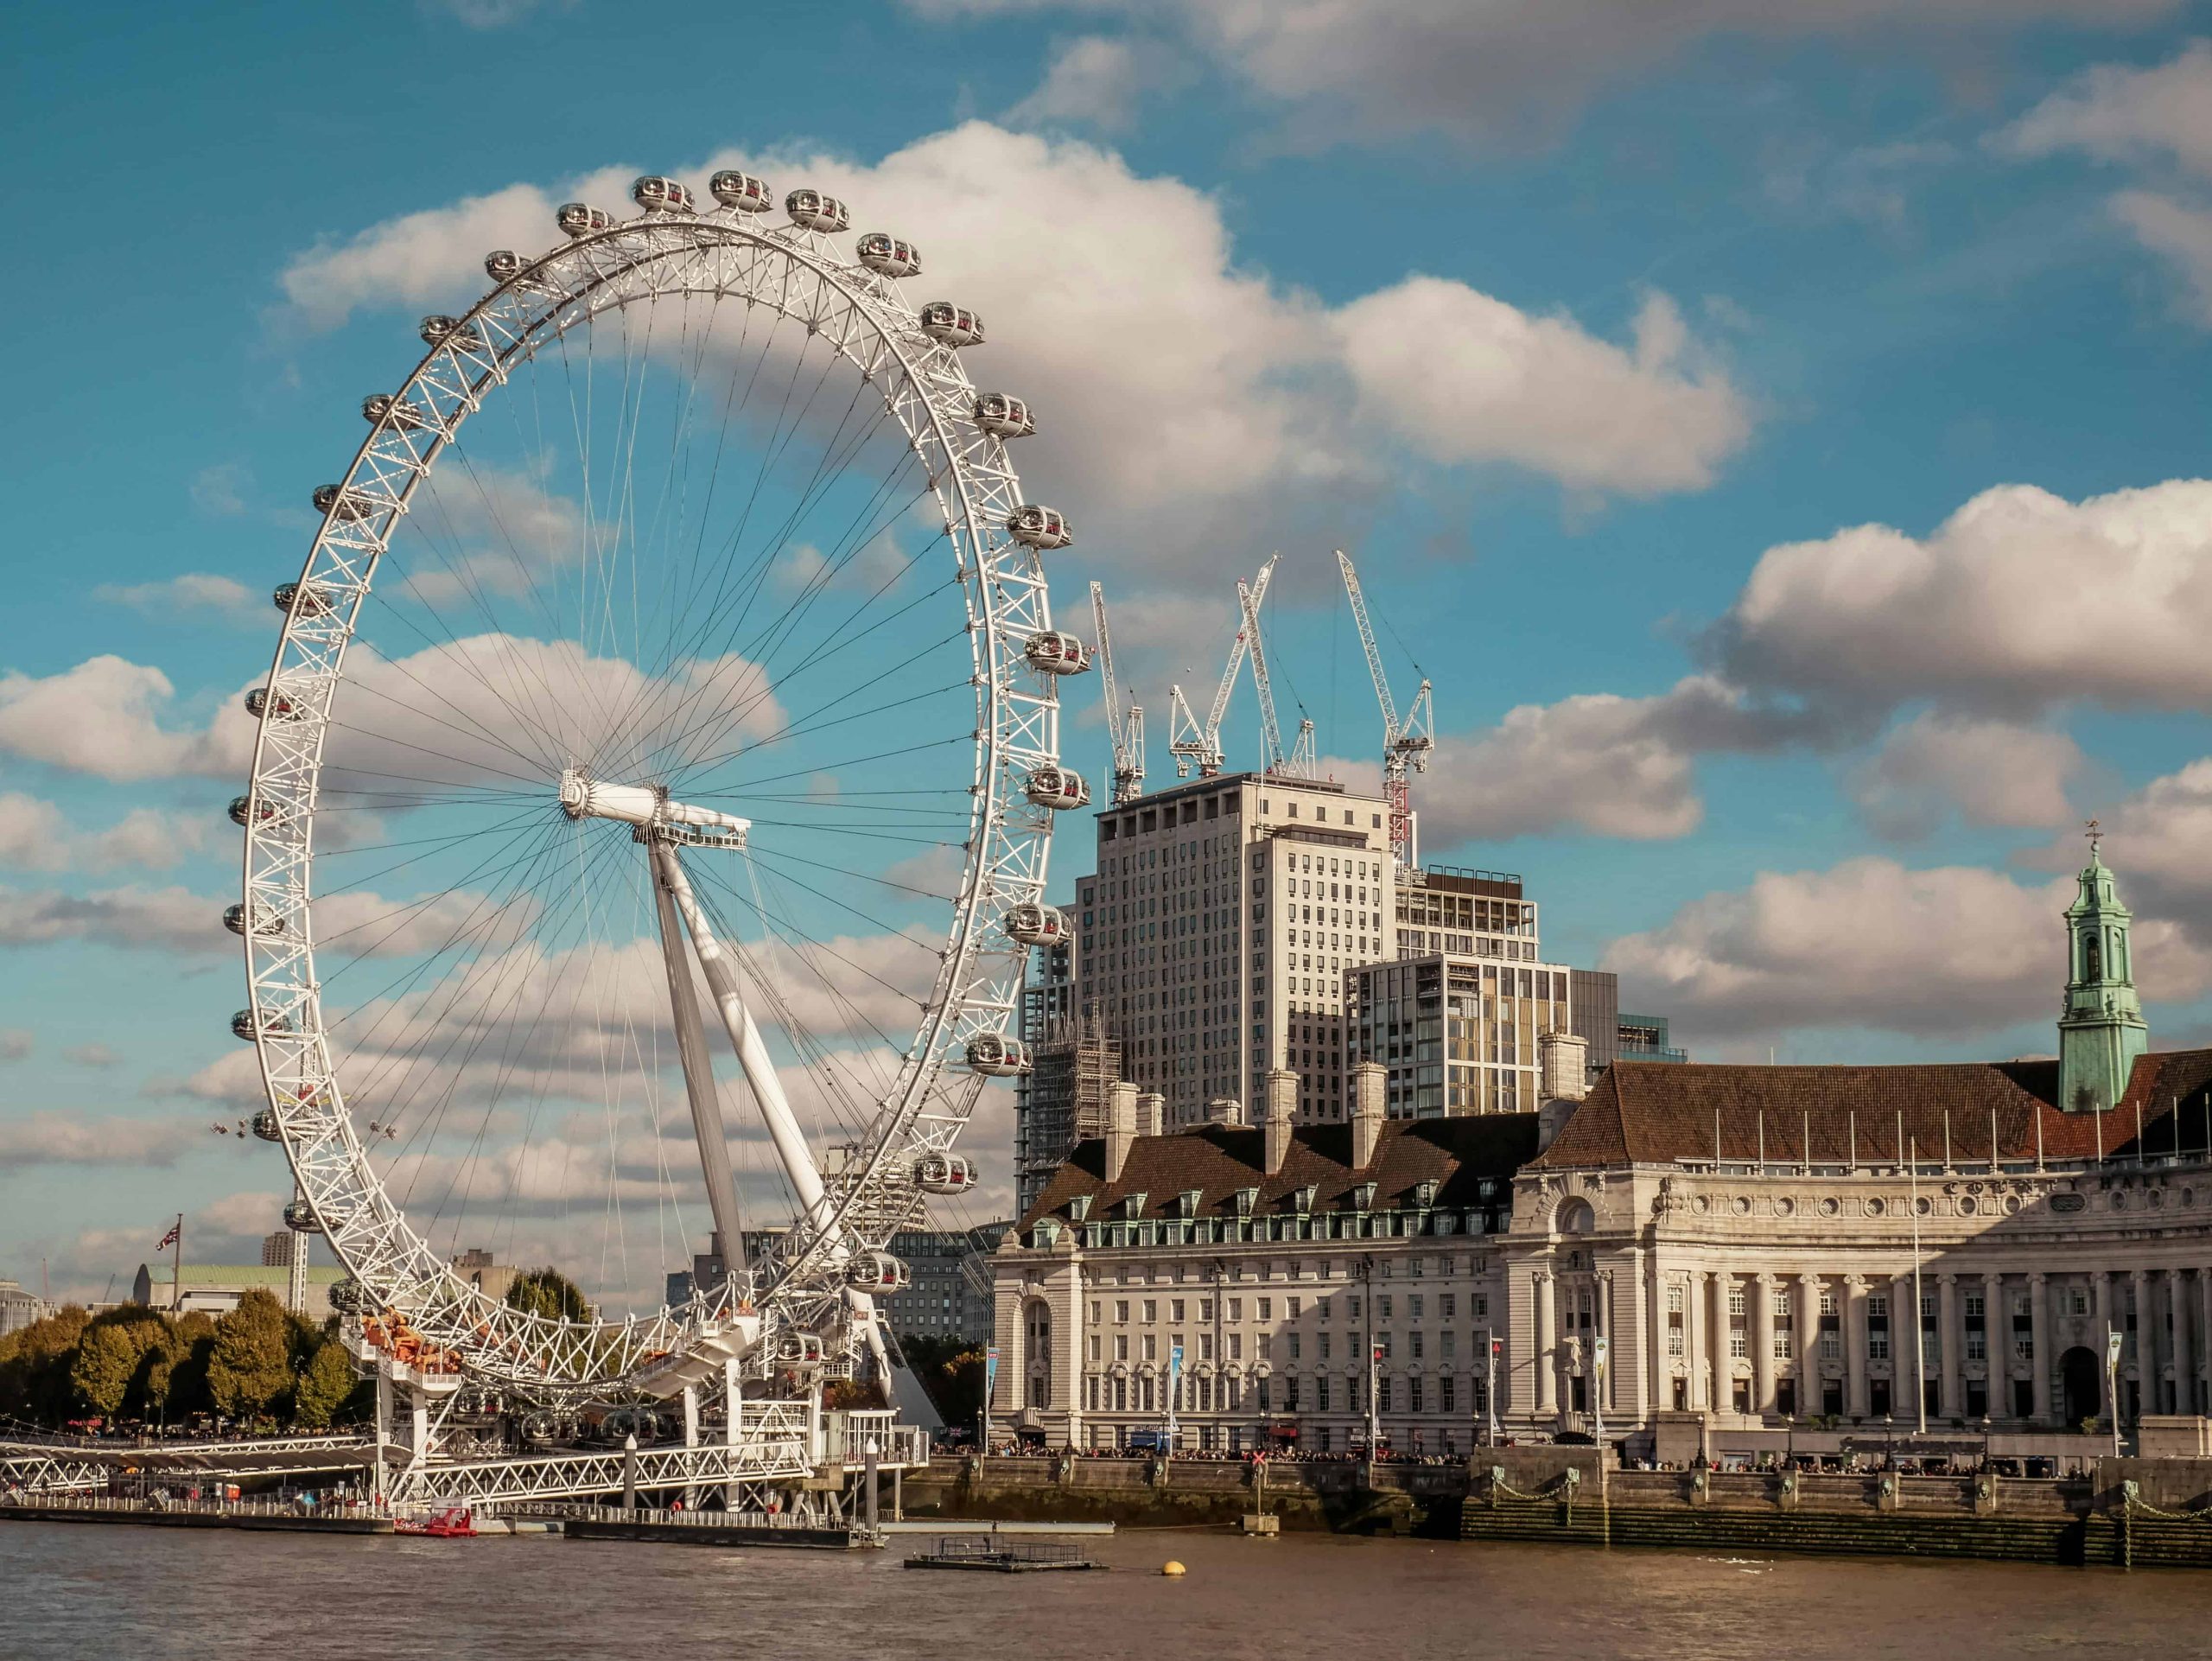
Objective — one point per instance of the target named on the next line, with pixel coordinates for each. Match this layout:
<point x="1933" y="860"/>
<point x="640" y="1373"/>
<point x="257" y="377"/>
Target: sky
<point x="1776" y="433"/>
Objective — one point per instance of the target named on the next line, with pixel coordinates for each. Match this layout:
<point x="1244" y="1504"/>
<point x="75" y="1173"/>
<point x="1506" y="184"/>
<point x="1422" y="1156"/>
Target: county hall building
<point x="1754" y="1243"/>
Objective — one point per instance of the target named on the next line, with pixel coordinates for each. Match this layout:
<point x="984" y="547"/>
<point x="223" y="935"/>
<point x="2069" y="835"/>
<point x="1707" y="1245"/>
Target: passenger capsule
<point x="349" y="1297"/>
<point x="383" y="410"/>
<point x="265" y="1125"/>
<point x="245" y="810"/>
<point x="300" y="1217"/>
<point x="812" y="211"/>
<point x="798" y="1350"/>
<point x="996" y="1056"/>
<point x="1002" y="417"/>
<point x="944" y="1173"/>
<point x="242" y="1026"/>
<point x="1053" y="652"/>
<point x="876" y="1271"/>
<point x="1040" y="527"/>
<point x="1035" y="925"/>
<point x="333" y="502"/>
<point x="263" y="705"/>
<point x="437" y="329"/>
<point x="1058" y="788"/>
<point x="742" y="191"/>
<point x="303" y="600"/>
<point x="234" y="920"/>
<point x="579" y="221"/>
<point x="502" y="264"/>
<point x="951" y="325"/>
<point x="653" y="193"/>
<point x="881" y="252"/>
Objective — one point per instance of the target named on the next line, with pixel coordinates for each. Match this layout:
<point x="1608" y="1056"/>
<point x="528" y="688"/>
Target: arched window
<point x="2093" y="966"/>
<point x="1037" y="1332"/>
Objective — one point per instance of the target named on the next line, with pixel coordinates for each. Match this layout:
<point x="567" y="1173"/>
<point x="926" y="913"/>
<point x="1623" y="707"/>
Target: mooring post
<point x="868" y="1456"/>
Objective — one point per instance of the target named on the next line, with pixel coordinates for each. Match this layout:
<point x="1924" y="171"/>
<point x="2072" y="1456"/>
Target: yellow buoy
<point x="1170" y="1567"/>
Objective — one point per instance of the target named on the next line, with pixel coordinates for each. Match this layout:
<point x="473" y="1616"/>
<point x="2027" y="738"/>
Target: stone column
<point x="1908" y="1368"/>
<point x="2040" y="1343"/>
<point x="1723" y="1371"/>
<point x="1997" y="1345"/>
<point x="2177" y="1292"/>
<point x="1855" y="1402"/>
<point x="1950" y="1396"/>
<point x="1602" y="1320"/>
<point x="1808" y="1344"/>
<point x="1547" y="1359"/>
<point x="1693" y="1337"/>
<point x="1658" y="1369"/>
<point x="2147" y="1343"/>
<point x="2204" y="1322"/>
<point x="1763" y="1344"/>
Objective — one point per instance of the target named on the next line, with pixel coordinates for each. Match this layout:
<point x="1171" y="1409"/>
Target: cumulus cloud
<point x="90" y="1055"/>
<point x="36" y="836"/>
<point x="15" y="1044"/>
<point x="1498" y="71"/>
<point x="1609" y="766"/>
<point x="193" y="591"/>
<point x="173" y="918"/>
<point x="1989" y="773"/>
<point x="2180" y="232"/>
<point x="2017" y="601"/>
<point x="217" y="489"/>
<point x="1097" y="80"/>
<point x="2119" y="112"/>
<point x="103" y="717"/>
<point x="1175" y="389"/>
<point x="2157" y="840"/>
<point x="1951" y="950"/>
<point x="47" y="1137"/>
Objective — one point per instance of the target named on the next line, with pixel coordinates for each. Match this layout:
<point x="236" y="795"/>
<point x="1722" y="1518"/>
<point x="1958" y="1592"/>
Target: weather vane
<point x="2095" y="834"/>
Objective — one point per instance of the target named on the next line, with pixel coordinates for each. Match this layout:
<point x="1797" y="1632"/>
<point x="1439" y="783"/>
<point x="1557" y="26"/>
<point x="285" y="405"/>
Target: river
<point x="77" y="1591"/>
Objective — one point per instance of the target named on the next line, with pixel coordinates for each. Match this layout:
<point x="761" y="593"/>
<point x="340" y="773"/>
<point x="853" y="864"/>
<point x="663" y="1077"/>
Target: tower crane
<point x="1406" y="744"/>
<point x="1299" y="764"/>
<point x="1126" y="729"/>
<point x="1188" y="742"/>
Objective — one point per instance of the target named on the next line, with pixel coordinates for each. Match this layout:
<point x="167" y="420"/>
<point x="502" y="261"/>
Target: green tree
<point x="176" y="1369"/>
<point x="105" y="1364"/>
<point x="548" y="1292"/>
<point x="34" y="1363"/>
<point x="249" y="1370"/>
<point x="325" y="1384"/>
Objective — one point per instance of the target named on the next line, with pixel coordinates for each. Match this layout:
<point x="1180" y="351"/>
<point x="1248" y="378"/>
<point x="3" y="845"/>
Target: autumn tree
<point x="249" y="1370"/>
<point x="325" y="1384"/>
<point x="34" y="1363"/>
<point x="549" y="1293"/>
<point x="105" y="1365"/>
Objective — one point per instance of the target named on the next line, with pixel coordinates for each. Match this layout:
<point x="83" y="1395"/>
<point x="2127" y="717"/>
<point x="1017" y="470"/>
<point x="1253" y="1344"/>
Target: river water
<point x="113" y="1591"/>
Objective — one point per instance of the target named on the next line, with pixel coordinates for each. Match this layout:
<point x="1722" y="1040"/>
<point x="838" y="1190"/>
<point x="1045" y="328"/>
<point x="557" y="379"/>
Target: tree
<point x="324" y="1382"/>
<point x="35" y="1363"/>
<point x="176" y="1369"/>
<point x="249" y="1371"/>
<point x="549" y="1293"/>
<point x="105" y="1365"/>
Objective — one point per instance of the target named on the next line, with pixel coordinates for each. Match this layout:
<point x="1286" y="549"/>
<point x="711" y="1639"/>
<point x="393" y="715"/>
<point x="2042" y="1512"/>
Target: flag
<point x="170" y="1239"/>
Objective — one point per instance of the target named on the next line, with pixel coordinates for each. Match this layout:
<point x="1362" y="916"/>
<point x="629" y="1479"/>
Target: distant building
<point x="492" y="1279"/>
<point x="277" y="1249"/>
<point x="215" y="1289"/>
<point x="1457" y="1035"/>
<point x="1644" y="1038"/>
<point x="19" y="1308"/>
<point x="950" y="1296"/>
<point x="1062" y="1099"/>
<point x="1594" y="996"/>
<point x="709" y="1269"/>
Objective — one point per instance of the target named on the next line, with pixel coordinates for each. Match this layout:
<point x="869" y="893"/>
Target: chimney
<point x="1281" y="1109"/>
<point x="1120" y="1127"/>
<point x="1366" y="1112"/>
<point x="1224" y="1110"/>
<point x="1562" y="1066"/>
<point x="1152" y="1114"/>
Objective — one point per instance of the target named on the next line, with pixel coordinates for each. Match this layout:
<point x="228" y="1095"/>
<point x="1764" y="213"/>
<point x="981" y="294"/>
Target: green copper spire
<point x="2102" y="1032"/>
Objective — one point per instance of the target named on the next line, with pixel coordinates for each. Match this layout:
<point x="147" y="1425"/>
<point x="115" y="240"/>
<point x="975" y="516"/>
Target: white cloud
<point x="2117" y="112"/>
<point x="36" y="836"/>
<point x="90" y="1055"/>
<point x="173" y="918"/>
<point x="1990" y="773"/>
<point x="1609" y="766"/>
<point x="1951" y="950"/>
<point x="2019" y="601"/>
<point x="1178" y="395"/>
<point x="1507" y="71"/>
<point x="47" y="1137"/>
<point x="102" y="717"/>
<point x="1465" y="378"/>
<point x="193" y="591"/>
<point x="486" y="15"/>
<point x="2157" y="841"/>
<point x="217" y="489"/>
<point x="15" y="1044"/>
<point x="2181" y="231"/>
<point x="1098" y="80"/>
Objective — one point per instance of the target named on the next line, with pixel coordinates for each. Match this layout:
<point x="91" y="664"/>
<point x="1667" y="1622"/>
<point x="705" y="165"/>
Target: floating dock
<point x="981" y="1555"/>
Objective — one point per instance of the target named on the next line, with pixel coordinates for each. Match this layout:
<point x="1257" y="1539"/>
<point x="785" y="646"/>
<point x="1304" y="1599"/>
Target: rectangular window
<point x="1152" y="1347"/>
<point x="1121" y="1310"/>
<point x="1294" y="1337"/>
<point x="1324" y="1345"/>
<point x="1121" y="1346"/>
<point x="1480" y="1306"/>
<point x="1414" y="1305"/>
<point x="1236" y="1310"/>
<point x="1448" y="1304"/>
<point x="1413" y="1341"/>
<point x="1267" y="1308"/>
<point x="1382" y="1307"/>
<point x="1267" y="1346"/>
<point x="1237" y="1346"/>
<point x="1448" y="1345"/>
<point x="1175" y="1308"/>
<point x="1413" y="1394"/>
<point x="1151" y="1310"/>
<point x="1445" y="1394"/>
<point x="1736" y="1341"/>
<point x="1094" y="1347"/>
<point x="1291" y="1306"/>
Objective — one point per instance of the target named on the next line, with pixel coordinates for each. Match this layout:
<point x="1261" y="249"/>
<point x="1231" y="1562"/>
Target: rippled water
<point x="77" y="1591"/>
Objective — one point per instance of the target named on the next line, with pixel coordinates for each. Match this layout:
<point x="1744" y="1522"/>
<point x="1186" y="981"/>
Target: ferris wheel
<point x="675" y="651"/>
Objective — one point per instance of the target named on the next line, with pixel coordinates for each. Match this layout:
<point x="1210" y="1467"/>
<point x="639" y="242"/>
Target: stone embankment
<point x="2126" y="1512"/>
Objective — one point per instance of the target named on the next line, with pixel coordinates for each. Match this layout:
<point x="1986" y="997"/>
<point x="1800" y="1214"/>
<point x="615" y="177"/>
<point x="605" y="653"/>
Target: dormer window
<point x="1079" y="1207"/>
<point x="1425" y="1194"/>
<point x="1304" y="1198"/>
<point x="1186" y="1203"/>
<point x="1045" y="1235"/>
<point x="1246" y="1198"/>
<point x="1133" y="1205"/>
<point x="1363" y="1196"/>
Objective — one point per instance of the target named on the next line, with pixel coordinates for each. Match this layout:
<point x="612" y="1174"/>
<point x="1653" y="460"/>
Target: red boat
<point x="454" y="1523"/>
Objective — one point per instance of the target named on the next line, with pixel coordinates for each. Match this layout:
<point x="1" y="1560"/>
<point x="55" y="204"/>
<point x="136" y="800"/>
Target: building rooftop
<point x="1220" y="1162"/>
<point x="1655" y="1113"/>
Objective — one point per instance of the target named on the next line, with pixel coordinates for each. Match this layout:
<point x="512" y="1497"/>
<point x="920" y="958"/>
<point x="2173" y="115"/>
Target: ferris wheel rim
<point x="306" y="1096"/>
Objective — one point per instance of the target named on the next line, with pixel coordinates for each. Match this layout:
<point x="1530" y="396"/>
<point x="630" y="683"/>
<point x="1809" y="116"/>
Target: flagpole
<point x="1919" y="1322"/>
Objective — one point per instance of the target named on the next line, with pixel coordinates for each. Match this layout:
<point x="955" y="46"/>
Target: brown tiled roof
<point x="1659" y="1112"/>
<point x="1218" y="1161"/>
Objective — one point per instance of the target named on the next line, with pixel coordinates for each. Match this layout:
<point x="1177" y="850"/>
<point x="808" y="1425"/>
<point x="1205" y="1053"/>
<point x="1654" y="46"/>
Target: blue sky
<point x="1781" y="442"/>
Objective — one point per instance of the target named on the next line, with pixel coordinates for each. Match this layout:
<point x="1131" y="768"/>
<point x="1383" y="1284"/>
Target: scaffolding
<point x="1063" y="1100"/>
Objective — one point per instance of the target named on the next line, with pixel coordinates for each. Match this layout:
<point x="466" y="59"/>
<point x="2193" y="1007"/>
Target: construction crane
<point x="1187" y="742"/>
<point x="1127" y="730"/>
<point x="1300" y="763"/>
<point x="1406" y="744"/>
